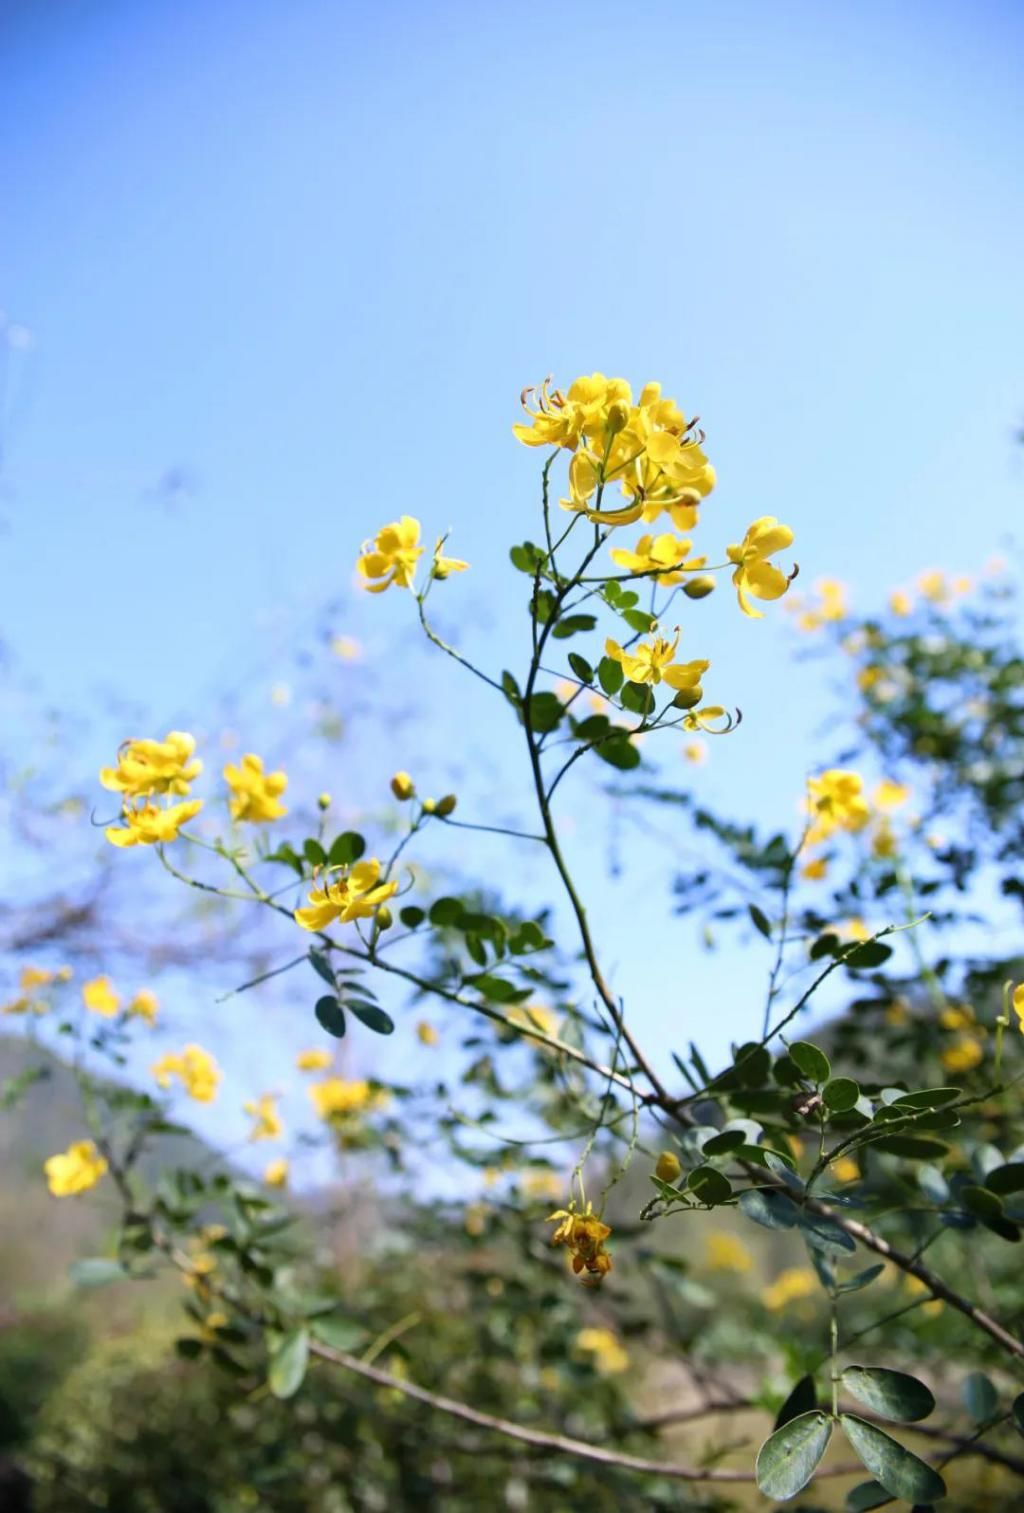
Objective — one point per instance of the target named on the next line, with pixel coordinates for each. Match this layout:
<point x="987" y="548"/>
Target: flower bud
<point x="324" y="802"/>
<point x="402" y="786"/>
<point x="699" y="587"/>
<point x="688" y="698"/>
<point x="446" y="805"/>
<point x="384" y="918"/>
<point x="668" y="1168"/>
<point x="430" y="806"/>
<point x="618" y="416"/>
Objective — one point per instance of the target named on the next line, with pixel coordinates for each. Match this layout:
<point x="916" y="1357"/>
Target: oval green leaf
<point x="789" y="1458"/>
<point x="891" y="1394"/>
<point x="899" y="1471"/>
<point x="773" y="1210"/>
<point x="813" y="1063"/>
<point x="709" y="1185"/>
<point x="372" y="1016"/>
<point x="288" y="1364"/>
<point x="1006" y="1179"/>
<point x="330" y="1015"/>
<point x="980" y="1397"/>
<point x="841" y="1094"/>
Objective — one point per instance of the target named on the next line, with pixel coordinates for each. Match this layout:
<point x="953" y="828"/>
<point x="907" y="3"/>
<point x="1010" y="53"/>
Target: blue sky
<point x="308" y="256"/>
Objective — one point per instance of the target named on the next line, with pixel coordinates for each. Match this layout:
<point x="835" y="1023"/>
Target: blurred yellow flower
<point x="541" y="1184"/>
<point x="815" y="869"/>
<point x="198" y="1072"/>
<point x="391" y="557"/>
<point x="266" y="1119"/>
<point x="696" y="752"/>
<point x="441" y="566"/>
<point x="317" y="1060"/>
<point x="255" y="794"/>
<point x="932" y="585"/>
<point x="146" y="767"/>
<point x="276" y="1173"/>
<point x="754" y="574"/>
<point x="723" y="1252"/>
<point x="145" y="1006"/>
<point x="355" y="893"/>
<point x="402" y="786"/>
<point x="845" y="1169"/>
<point x="603" y="1345"/>
<point x="347" y="648"/>
<point x="335" y="1097"/>
<point x="75" y="1170"/>
<point x="668" y="1167"/>
<point x="1018" y="1004"/>
<point x="146" y="825"/>
<point x="900" y="603"/>
<point x="584" y="1235"/>
<point x="790" y="1286"/>
<point x="99" y="997"/>
<point x="426" y="1033"/>
<point x="958" y="1016"/>
<point x="916" y="1286"/>
<point x="836" y="801"/>
<point x="963" y="1055"/>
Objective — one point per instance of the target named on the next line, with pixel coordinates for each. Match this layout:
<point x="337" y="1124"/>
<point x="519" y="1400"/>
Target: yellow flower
<point x="854" y="929"/>
<point x="276" y="1174"/>
<point x="355" y="894"/>
<point x="957" y="1017"/>
<point x="145" y="1005"/>
<point x="199" y="1074"/>
<point x="704" y="719"/>
<point x="754" y="574"/>
<point x="392" y="556"/>
<point x="403" y="787"/>
<point x="426" y="1033"/>
<point x="562" y="420"/>
<point x="963" y="1055"/>
<point x="1018" y="1004"/>
<point x="100" y="998"/>
<point x="668" y="1167"/>
<point x="916" y="1286"/>
<point x="724" y="1252"/>
<point x="696" y="752"/>
<point x="652" y="662"/>
<point x="932" y="585"/>
<point x="28" y="1000"/>
<point x="255" y="795"/>
<point x="609" y="1356"/>
<point x="75" y="1170"/>
<point x="890" y="795"/>
<point x="347" y="648"/>
<point x="267" y="1121"/>
<point x="334" y="1097"/>
<point x="442" y="566"/>
<point x="35" y="977"/>
<point x="845" y="1169"/>
<point x="145" y="767"/>
<point x="541" y="1184"/>
<point x="149" y="826"/>
<point x="815" y="869"/>
<point x="831" y="606"/>
<point x="790" y="1286"/>
<point x="317" y="1060"/>
<point x="536" y="1016"/>
<point x="836" y="800"/>
<point x="900" y="603"/>
<point x="663" y="556"/>
<point x="584" y="1234"/>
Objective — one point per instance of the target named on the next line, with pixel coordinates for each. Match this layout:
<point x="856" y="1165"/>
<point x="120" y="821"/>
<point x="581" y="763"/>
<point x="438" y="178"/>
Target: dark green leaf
<point x="772" y="1209"/>
<point x="824" y="1233"/>
<point x="1018" y="1412"/>
<point x="527" y="557"/>
<point x="188" y="1349"/>
<point x="896" y="1468"/>
<point x="928" y="1098"/>
<point x="619" y="752"/>
<point x="637" y="698"/>
<point x="890" y="1394"/>
<point x="331" y="1015"/>
<point x="610" y="675"/>
<point x="913" y="1147"/>
<point x="980" y="1397"/>
<point x="412" y="916"/>
<point x="446" y="912"/>
<point x="840" y="1094"/>
<point x="871" y="954"/>
<point x="825" y="945"/>
<point x="813" y="1063"/>
<point x="865" y="1496"/>
<point x="572" y="625"/>
<point x="314" y="853"/>
<point x="640" y="620"/>
<point x="372" y="1016"/>
<point x="348" y="848"/>
<point x="288" y="1364"/>
<point x="510" y="688"/>
<point x="721" y="1145"/>
<point x="861" y="1279"/>
<point x="1006" y="1179"/>
<point x="581" y="667"/>
<point x="789" y="1458"/>
<point x="982" y="1203"/>
<point x="321" y="966"/>
<point x="709" y="1185"/>
<point x="592" y="728"/>
<point x="545" y="712"/>
<point x="760" y="921"/>
<point x="802" y="1399"/>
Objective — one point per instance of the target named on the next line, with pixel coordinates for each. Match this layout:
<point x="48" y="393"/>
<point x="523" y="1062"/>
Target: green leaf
<point x="899" y="1471"/>
<point x="572" y="625"/>
<point x="510" y="688"/>
<point x="639" y="620"/>
<point x="862" y="1279"/>
<point x="773" y="1210"/>
<point x="637" y="698"/>
<point x="446" y="912"/>
<point x="913" y="1147"/>
<point x="340" y="1333"/>
<point x="619" y="752"/>
<point x="824" y="1233"/>
<point x="802" y="1399"/>
<point x="814" y="1064"/>
<point x="1018" y="1412"/>
<point x="709" y="1185"/>
<point x="288" y="1364"/>
<point x="610" y="675"/>
<point x="545" y="712"/>
<point x="527" y="557"/>
<point x="825" y="945"/>
<point x="348" y="848"/>
<point x="321" y="966"/>
<point x="96" y="1271"/>
<point x="980" y="1397"/>
<point x="760" y="921"/>
<point x="865" y="1496"/>
<point x="314" y="853"/>
<point x="494" y="989"/>
<point x="927" y="1098"/>
<point x="592" y="728"/>
<point x="1006" y="1179"/>
<point x="890" y="1394"/>
<point x="982" y="1203"/>
<point x="330" y="1015"/>
<point x="581" y="667"/>
<point x="871" y="954"/>
<point x="188" y="1348"/>
<point x="840" y="1094"/>
<point x="372" y="1016"/>
<point x="412" y="916"/>
<point x="789" y="1458"/>
<point x="721" y="1145"/>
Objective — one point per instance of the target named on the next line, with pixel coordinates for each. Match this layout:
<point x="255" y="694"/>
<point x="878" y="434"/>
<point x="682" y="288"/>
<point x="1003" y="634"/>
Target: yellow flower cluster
<point x="837" y="801"/>
<point x="724" y="1252"/>
<point x="75" y="1170"/>
<point x="607" y="1353"/>
<point x="145" y="768"/>
<point x="828" y="606"/>
<point x="101" y="997"/>
<point x="197" y="1070"/>
<point x="355" y="893"/>
<point x="255" y="794"/>
<point x="267" y="1123"/>
<point x="391" y="557"/>
<point x="654" y="662"/>
<point x="335" y="1098"/>
<point x="584" y="1235"/>
<point x="790" y="1286"/>
<point x="31" y="979"/>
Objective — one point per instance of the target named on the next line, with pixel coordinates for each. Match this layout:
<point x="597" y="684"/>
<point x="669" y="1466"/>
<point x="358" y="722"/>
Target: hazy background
<point x="274" y="274"/>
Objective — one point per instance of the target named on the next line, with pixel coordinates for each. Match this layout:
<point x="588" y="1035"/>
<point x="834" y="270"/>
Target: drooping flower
<point x="99" y="997"/>
<point x="653" y="662"/>
<point x="441" y="566"/>
<point x="255" y="794"/>
<point x="145" y="767"/>
<point x="753" y="573"/>
<point x="391" y="557"/>
<point x="276" y="1174"/>
<point x="316" y="1060"/>
<point x="355" y="893"/>
<point x="584" y="1234"/>
<point x="198" y="1072"/>
<point x="267" y="1123"/>
<point x="145" y="1005"/>
<point x="665" y="556"/>
<point x="75" y="1170"/>
<point x="147" y="825"/>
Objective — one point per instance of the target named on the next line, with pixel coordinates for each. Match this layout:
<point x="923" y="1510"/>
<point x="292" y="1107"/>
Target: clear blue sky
<point x="309" y="254"/>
